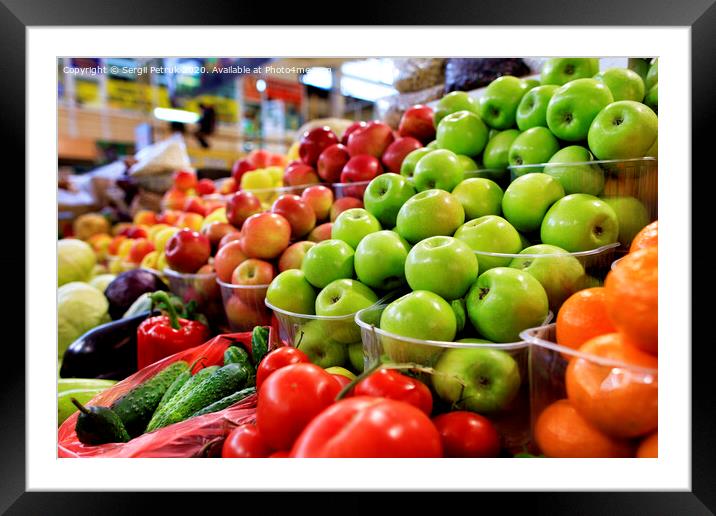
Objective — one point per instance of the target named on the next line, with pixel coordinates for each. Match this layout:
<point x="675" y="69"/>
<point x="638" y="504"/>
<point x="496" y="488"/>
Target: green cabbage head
<point x="101" y="281"/>
<point x="80" y="307"/>
<point x="75" y="261"/>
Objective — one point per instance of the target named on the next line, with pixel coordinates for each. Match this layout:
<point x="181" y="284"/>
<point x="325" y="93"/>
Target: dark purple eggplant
<point x="107" y="351"/>
<point x="127" y="287"/>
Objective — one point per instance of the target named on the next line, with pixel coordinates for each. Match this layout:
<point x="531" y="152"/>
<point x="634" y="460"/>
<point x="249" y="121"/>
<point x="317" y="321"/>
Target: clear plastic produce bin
<point x="244" y="305"/>
<point x="356" y="189"/>
<point x="200" y="288"/>
<point x="445" y="366"/>
<point x="611" y="379"/>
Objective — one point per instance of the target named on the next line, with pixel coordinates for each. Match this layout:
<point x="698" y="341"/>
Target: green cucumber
<point x="226" y="380"/>
<point x="136" y="407"/>
<point x="225" y="402"/>
<point x="65" y="407"/>
<point x="259" y="344"/>
<point x="99" y="425"/>
<point x="174" y="388"/>
<point x="236" y="355"/>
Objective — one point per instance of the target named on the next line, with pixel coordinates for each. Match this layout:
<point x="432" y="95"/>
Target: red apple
<point x="168" y="217"/>
<point x="292" y="257"/>
<point x="187" y="250"/>
<point x="322" y="232"/>
<point x="230" y="185"/>
<point x="227" y="258"/>
<point x="146" y="217"/>
<point x="229" y="237"/>
<point x="253" y="272"/>
<point x="195" y="205"/>
<point x="277" y="160"/>
<point x="205" y="186"/>
<point x="417" y="121"/>
<point x="313" y="142"/>
<point x="331" y="162"/>
<point x="190" y="220"/>
<point x="212" y="205"/>
<point x="133" y="232"/>
<point x="241" y="206"/>
<point x="298" y="173"/>
<point x="361" y="168"/>
<point x="173" y="199"/>
<point x="343" y="204"/>
<point x="240" y="167"/>
<point x="140" y="248"/>
<point x="396" y="152"/>
<point x="245" y="316"/>
<point x="265" y="235"/>
<point x="353" y="127"/>
<point x="297" y="212"/>
<point x="259" y="158"/>
<point x="216" y="231"/>
<point x="372" y="139"/>
<point x="320" y="199"/>
<point x="184" y="179"/>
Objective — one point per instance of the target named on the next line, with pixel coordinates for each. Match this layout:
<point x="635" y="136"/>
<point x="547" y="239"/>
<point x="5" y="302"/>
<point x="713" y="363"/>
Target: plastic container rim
<point x="380" y="302"/>
<point x="356" y="183"/>
<point x="242" y="287"/>
<point x="576" y="254"/>
<point x="593" y="162"/>
<point x="185" y="275"/>
<point x="529" y="335"/>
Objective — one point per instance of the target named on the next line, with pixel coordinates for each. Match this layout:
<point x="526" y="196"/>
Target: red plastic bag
<point x="196" y="437"/>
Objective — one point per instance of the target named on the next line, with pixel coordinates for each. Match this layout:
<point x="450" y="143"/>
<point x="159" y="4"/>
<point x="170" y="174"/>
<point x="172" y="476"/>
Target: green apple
<point x="632" y="216"/>
<point x="468" y="164"/>
<point x="479" y="197"/>
<point x="380" y="260"/>
<point x="559" y="273"/>
<point x="291" y="291"/>
<point x="328" y="261"/>
<point x="532" y="111"/>
<point x="443" y="265"/>
<point x="341" y="371"/>
<point x="640" y="65"/>
<point x="505" y="301"/>
<point x="482" y="380"/>
<point x="344" y="297"/>
<point x="498" y="148"/>
<point x="355" y="356"/>
<point x="624" y="84"/>
<point x="528" y="198"/>
<point x="432" y="145"/>
<point x="463" y="133"/>
<point x="580" y="222"/>
<point x="384" y="196"/>
<point x="652" y="98"/>
<point x="315" y="341"/>
<point x="561" y="70"/>
<point x="498" y="104"/>
<point x="354" y="224"/>
<point x="573" y="107"/>
<point x="473" y="340"/>
<point x="407" y="167"/>
<point x="652" y="76"/>
<point x="579" y="177"/>
<point x="535" y="145"/>
<point x="490" y="234"/>
<point x="531" y="83"/>
<point x="439" y="169"/>
<point x="653" y="150"/>
<point x="623" y="130"/>
<point x="453" y="102"/>
<point x="492" y="133"/>
<point x="429" y="213"/>
<point x="460" y="311"/>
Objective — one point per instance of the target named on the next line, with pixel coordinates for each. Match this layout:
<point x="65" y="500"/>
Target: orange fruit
<point x="619" y="401"/>
<point x="561" y="432"/>
<point x="649" y="447"/>
<point x="647" y="237"/>
<point x="583" y="316"/>
<point x="632" y="295"/>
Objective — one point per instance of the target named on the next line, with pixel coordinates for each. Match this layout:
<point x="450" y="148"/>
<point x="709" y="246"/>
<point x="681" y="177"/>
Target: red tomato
<point x="289" y="399"/>
<point x="388" y="383"/>
<point x="245" y="442"/>
<point x="281" y="454"/>
<point x="369" y="427"/>
<point x="342" y="380"/>
<point x="277" y="359"/>
<point x="466" y="434"/>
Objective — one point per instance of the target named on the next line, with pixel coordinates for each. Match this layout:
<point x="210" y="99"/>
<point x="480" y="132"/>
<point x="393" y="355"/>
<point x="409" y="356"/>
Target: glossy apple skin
<point x="443" y="265"/>
<point x="353" y="225"/>
<point x="291" y="291"/>
<point x="417" y="122"/>
<point x="439" y="169"/>
<point x="229" y="237"/>
<point x="215" y="232"/>
<point x="453" y="102"/>
<point x="632" y="216"/>
<point x="497" y="149"/>
<point x="498" y="104"/>
<point x="321" y="232"/>
<point x="297" y="212"/>
<point x="331" y="162"/>
<point x="227" y="259"/>
<point x="379" y="260"/>
<point x="195" y="205"/>
<point x="528" y="198"/>
<point x="205" y="186"/>
<point x="320" y="199"/>
<point x="241" y="206"/>
<point x="623" y="130"/>
<point x="372" y="139"/>
<point x="343" y="204"/>
<point x="300" y="174"/>
<point x="562" y="70"/>
<point x="253" y="272"/>
<point x="462" y="372"/>
<point x="344" y="297"/>
<point x="292" y="257"/>
<point x="580" y="222"/>
<point x="462" y="132"/>
<point x="429" y="213"/>
<point x="244" y="316"/>
<point x="623" y="83"/>
<point x="479" y="197"/>
<point x="385" y="195"/>
<point x="361" y="168"/>
<point x="652" y="100"/>
<point x="532" y="110"/>
<point x="535" y="145"/>
<point x="395" y="153"/>
<point x="259" y="158"/>
<point x="505" y="301"/>
<point x="240" y="167"/>
<point x="316" y="342"/>
<point x="140" y="248"/>
<point x="407" y="167"/>
<point x="328" y="261"/>
<point x="187" y="250"/>
<point x="490" y="234"/>
<point x="185" y="179"/>
<point x="573" y="107"/>
<point x="313" y="142"/>
<point x="582" y="177"/>
<point x="265" y="235"/>
<point x="358" y="124"/>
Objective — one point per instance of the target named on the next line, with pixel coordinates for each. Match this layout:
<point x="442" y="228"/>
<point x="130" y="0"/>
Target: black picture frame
<point x="699" y="15"/>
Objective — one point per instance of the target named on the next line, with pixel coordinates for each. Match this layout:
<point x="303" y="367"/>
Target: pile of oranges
<point x="609" y="411"/>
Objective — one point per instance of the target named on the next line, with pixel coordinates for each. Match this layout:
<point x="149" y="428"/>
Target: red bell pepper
<point x="164" y="335"/>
